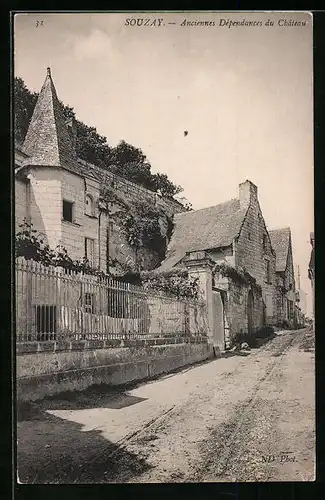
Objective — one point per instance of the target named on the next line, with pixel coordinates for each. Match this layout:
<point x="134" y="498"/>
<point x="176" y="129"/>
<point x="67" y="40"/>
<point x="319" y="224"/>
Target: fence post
<point x="199" y="265"/>
<point x="30" y="269"/>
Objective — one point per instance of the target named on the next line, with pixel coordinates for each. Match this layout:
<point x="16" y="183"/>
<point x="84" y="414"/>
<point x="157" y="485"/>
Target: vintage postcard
<point x="164" y="244"/>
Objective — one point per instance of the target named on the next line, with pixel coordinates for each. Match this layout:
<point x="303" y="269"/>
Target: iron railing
<point x="56" y="304"/>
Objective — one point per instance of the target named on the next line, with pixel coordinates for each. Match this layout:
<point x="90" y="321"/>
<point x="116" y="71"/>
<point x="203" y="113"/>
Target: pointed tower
<point x="48" y="142"/>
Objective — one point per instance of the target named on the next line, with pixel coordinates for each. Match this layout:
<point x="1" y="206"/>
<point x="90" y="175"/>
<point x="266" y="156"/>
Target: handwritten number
<point x="39" y="23"/>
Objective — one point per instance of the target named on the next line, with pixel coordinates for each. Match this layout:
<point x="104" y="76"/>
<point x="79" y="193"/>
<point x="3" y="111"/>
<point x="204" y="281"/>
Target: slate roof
<point x="280" y="241"/>
<point x="47" y="142"/>
<point x="204" y="229"/>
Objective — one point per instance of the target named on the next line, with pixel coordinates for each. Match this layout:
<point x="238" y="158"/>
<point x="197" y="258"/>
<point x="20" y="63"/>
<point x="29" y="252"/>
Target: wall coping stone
<point x="80" y="345"/>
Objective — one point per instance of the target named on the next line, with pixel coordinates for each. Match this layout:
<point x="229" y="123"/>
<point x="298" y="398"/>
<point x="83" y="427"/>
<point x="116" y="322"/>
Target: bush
<point x="264" y="332"/>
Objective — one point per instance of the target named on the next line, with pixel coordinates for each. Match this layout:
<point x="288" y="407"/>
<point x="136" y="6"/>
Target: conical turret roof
<point x="48" y="142"/>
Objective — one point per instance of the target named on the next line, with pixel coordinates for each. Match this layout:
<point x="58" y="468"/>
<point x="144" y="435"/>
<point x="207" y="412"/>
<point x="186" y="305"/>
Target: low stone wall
<point x="46" y="369"/>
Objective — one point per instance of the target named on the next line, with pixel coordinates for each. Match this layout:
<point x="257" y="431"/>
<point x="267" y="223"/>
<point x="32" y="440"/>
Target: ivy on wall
<point x="140" y="221"/>
<point x="174" y="282"/>
<point x="241" y="278"/>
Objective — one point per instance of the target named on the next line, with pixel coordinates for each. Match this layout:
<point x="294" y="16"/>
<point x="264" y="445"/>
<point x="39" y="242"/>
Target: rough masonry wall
<point x="252" y="255"/>
<point x="131" y="191"/>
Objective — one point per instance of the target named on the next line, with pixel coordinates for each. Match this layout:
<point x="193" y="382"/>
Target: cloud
<point x="97" y="44"/>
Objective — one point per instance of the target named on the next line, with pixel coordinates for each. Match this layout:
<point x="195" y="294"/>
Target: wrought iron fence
<point x="57" y="304"/>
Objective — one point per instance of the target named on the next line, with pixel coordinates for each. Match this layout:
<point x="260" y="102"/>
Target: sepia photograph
<point x="164" y="247"/>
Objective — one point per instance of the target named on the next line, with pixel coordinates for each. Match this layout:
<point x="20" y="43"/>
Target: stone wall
<point x="131" y="191"/>
<point x="79" y="365"/>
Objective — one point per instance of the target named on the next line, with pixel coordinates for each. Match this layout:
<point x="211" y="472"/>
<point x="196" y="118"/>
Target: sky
<point x="243" y="93"/>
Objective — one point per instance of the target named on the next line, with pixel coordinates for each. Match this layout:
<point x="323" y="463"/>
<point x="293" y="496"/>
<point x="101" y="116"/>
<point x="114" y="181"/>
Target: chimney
<point x="247" y="193"/>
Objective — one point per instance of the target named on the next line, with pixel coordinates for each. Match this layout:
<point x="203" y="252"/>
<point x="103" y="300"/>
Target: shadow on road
<point x="55" y="450"/>
<point x="96" y="396"/>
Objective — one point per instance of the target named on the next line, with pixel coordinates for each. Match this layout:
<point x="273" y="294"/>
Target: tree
<point x="124" y="159"/>
<point x="164" y="186"/>
<point x="91" y="146"/>
<point x="24" y="103"/>
<point x="130" y="162"/>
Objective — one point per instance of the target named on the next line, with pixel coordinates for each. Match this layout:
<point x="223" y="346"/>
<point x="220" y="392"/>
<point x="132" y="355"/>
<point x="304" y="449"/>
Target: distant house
<point x="234" y="235"/>
<point x="285" y="280"/>
<point x="60" y="194"/>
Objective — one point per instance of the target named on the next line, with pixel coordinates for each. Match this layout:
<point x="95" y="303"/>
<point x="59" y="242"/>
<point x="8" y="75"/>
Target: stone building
<point x="60" y="193"/>
<point x="285" y="280"/>
<point x="235" y="243"/>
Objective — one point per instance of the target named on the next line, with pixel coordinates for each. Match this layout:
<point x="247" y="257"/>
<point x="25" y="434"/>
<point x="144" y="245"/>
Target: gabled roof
<point x="47" y="142"/>
<point x="205" y="229"/>
<point x="280" y="241"/>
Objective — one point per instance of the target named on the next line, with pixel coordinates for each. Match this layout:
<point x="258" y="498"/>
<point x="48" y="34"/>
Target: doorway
<point x="218" y="323"/>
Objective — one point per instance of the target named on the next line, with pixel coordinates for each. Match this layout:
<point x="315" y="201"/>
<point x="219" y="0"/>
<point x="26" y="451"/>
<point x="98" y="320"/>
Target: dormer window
<point x="89" y="209"/>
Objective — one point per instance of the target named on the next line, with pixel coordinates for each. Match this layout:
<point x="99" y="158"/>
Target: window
<point x="67" y="211"/>
<point x="89" y="210"/>
<point x="89" y="250"/>
<point x="268" y="272"/>
<point x="264" y="242"/>
<point x="45" y="316"/>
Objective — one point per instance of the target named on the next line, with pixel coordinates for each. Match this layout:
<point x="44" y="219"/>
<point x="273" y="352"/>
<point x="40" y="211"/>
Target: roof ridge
<point x="209" y="207"/>
<point x="286" y="228"/>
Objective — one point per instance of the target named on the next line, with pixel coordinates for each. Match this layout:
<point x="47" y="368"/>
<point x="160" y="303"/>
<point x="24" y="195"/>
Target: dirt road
<point x="240" y="418"/>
